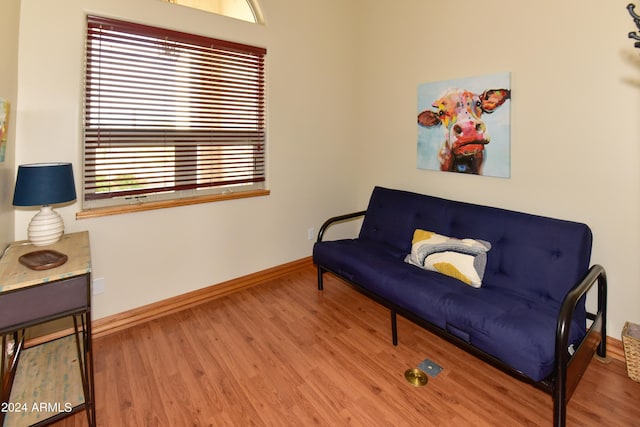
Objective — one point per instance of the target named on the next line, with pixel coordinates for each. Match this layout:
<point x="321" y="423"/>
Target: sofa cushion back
<point x="531" y="255"/>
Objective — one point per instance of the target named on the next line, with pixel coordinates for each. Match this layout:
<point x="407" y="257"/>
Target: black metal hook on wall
<point x="636" y="19"/>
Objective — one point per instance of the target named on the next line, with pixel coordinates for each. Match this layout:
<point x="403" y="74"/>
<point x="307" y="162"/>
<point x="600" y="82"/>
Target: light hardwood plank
<point x="284" y="354"/>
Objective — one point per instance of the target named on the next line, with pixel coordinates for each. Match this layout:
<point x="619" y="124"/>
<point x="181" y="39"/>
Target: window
<point x="169" y="115"/>
<point x="245" y="10"/>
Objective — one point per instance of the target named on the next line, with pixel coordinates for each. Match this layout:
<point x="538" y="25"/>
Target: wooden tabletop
<point x="14" y="275"/>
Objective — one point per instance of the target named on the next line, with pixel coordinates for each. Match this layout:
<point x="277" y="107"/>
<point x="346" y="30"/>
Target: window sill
<point x="117" y="210"/>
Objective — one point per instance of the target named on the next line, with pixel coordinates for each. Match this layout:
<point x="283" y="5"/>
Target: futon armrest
<point x="595" y="275"/>
<point x="569" y="371"/>
<point x="336" y="219"/>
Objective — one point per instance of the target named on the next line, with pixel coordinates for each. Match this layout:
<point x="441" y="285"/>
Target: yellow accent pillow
<point x="463" y="259"/>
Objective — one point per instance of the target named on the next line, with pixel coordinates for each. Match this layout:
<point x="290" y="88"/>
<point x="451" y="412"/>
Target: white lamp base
<point x="46" y="227"/>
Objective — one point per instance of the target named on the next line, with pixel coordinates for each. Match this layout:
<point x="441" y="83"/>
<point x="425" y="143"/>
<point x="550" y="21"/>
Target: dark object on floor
<point x="429" y="367"/>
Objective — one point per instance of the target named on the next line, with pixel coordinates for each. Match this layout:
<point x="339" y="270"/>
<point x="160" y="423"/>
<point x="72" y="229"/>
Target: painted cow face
<point x="459" y="112"/>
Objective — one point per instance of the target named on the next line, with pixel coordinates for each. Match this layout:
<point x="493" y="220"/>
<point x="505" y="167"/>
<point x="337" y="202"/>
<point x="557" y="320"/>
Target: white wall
<point x="575" y="148"/>
<point x="145" y="257"/>
<point x="9" y="19"/>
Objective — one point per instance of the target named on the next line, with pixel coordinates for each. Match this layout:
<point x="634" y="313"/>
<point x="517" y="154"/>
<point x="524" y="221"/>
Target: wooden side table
<point x="50" y="381"/>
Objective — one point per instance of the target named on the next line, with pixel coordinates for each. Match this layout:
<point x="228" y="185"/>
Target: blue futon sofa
<point x="507" y="286"/>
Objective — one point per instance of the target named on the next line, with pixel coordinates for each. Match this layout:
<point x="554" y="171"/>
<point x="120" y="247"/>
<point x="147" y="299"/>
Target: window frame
<point x="254" y="8"/>
<point x="243" y="124"/>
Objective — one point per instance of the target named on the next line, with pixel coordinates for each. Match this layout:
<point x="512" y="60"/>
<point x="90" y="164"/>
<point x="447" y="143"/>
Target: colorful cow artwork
<point x="459" y="114"/>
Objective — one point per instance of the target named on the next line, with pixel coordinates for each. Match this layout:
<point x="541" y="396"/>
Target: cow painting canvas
<point x="464" y="125"/>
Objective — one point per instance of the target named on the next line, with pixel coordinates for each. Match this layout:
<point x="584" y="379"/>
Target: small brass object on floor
<point x="416" y="377"/>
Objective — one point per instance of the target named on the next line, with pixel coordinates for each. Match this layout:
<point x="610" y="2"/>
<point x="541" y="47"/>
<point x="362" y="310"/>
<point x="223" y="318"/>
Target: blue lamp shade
<point x="44" y="184"/>
<point x="41" y="184"/>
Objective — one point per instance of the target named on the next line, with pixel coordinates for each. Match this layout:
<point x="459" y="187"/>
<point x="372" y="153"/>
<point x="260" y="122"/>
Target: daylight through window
<point x="239" y="9"/>
<point x="169" y="115"/>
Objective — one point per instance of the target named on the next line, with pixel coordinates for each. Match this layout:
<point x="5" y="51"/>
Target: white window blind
<point x="169" y="114"/>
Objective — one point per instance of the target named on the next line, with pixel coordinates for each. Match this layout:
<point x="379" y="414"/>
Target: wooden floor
<point x="284" y="354"/>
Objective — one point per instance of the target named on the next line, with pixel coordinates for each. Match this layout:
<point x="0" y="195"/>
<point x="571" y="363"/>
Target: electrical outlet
<point x="311" y="233"/>
<point x="98" y="286"/>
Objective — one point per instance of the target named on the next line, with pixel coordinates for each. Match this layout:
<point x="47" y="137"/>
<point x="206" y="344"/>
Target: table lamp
<point x="44" y="184"/>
